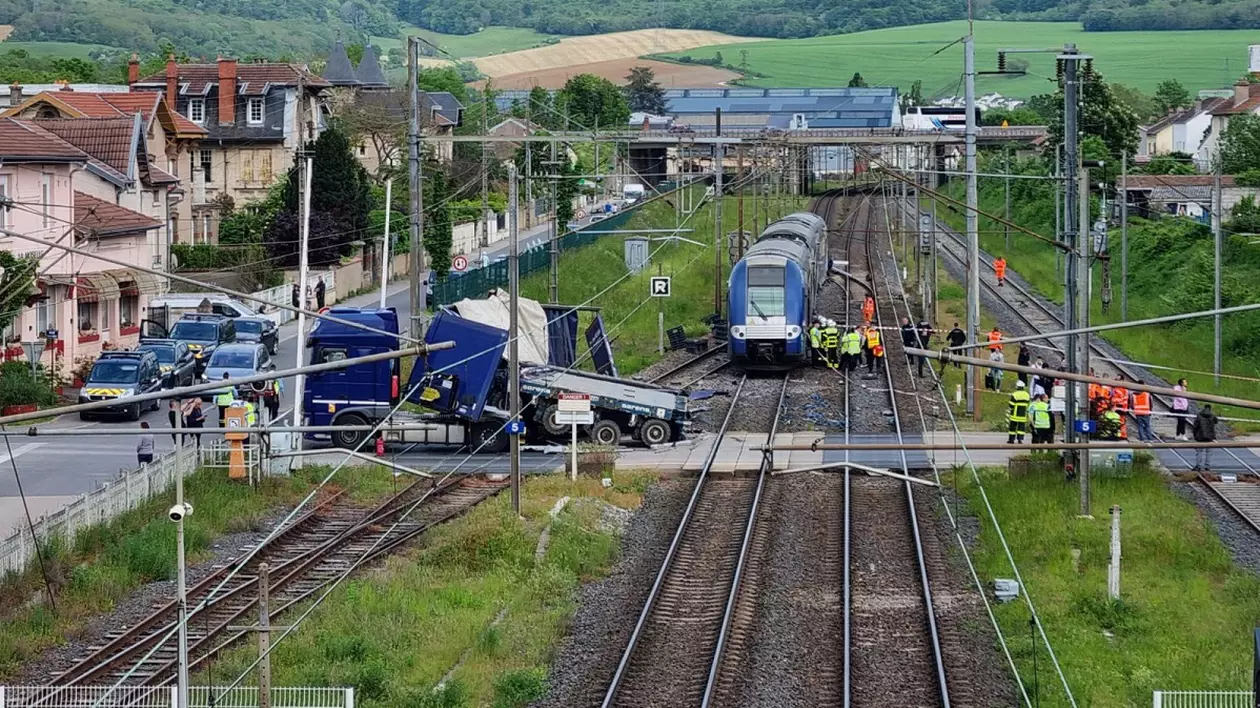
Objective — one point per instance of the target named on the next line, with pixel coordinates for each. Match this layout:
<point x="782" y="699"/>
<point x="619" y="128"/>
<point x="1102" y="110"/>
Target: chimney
<point x="15" y="94"/>
<point x="133" y="69"/>
<point x="1253" y="57"/>
<point x="1242" y="91"/>
<point x="172" y="79"/>
<point x="227" y="91"/>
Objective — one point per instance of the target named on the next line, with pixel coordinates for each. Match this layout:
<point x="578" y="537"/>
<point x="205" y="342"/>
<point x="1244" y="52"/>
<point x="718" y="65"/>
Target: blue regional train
<point x="772" y="292"/>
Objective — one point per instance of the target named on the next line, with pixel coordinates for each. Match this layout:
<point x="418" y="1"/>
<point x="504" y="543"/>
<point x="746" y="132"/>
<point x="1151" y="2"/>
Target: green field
<point x="59" y="49"/>
<point x="491" y="40"/>
<point x="1198" y="59"/>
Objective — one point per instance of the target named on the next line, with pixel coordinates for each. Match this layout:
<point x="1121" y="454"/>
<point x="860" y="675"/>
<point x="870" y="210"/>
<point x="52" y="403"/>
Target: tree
<point x="540" y="108"/>
<point x="1240" y="143"/>
<point x="592" y="101"/>
<point x="442" y="78"/>
<point x="1171" y="95"/>
<point x="1143" y="104"/>
<point x="566" y="190"/>
<point x="1176" y="164"/>
<point x="857" y="81"/>
<point x="914" y="97"/>
<point x="437" y="223"/>
<point x="643" y="92"/>
<point x="374" y="118"/>
<point x="284" y="236"/>
<point x="339" y="184"/>
<point x="1101" y="115"/>
<point x="1012" y="116"/>
<point x="17" y="275"/>
<point x="1244" y="217"/>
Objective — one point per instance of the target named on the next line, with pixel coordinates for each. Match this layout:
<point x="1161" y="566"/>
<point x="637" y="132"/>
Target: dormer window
<point x="197" y="110"/>
<point x="255" y="111"/>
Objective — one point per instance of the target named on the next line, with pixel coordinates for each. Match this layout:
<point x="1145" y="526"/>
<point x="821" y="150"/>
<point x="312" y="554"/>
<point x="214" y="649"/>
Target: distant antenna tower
<point x="660" y="13"/>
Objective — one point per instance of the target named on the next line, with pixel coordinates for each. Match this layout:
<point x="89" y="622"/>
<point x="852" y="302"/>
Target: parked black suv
<point x="258" y="329"/>
<point x="202" y="333"/>
<point x="119" y="376"/>
<point x="175" y="359"/>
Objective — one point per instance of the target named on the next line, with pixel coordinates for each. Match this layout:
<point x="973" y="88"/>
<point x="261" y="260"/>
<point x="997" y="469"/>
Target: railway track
<point x="685" y="374"/>
<point x="1241" y="498"/>
<point x="892" y="647"/>
<point x="308" y="555"/>
<point x="1039" y="316"/>
<point x="684" y="632"/>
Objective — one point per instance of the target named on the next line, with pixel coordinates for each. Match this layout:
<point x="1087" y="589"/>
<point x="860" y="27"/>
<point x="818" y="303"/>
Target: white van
<point x="168" y="308"/>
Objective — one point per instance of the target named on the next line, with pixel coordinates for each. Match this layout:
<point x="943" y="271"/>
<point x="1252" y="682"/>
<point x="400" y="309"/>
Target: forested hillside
<point x="266" y="26"/>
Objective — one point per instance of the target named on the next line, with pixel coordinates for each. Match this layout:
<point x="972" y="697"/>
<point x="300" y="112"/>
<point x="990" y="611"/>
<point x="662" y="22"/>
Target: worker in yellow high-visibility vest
<point x="874" y="349"/>
<point x="1017" y="414"/>
<point x="850" y="350"/>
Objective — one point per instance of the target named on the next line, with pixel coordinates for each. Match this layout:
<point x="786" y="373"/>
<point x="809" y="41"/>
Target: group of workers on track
<point x="844" y="352"/>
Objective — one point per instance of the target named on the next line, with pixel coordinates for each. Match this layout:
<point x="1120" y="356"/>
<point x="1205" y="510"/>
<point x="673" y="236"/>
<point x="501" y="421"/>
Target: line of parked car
<point x="218" y="336"/>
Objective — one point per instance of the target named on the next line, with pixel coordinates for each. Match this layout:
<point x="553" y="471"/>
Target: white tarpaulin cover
<point x="494" y="311"/>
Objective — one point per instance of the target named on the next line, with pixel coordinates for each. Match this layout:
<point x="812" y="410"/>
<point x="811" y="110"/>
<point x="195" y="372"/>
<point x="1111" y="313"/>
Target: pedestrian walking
<point x="1141" y="407"/>
<point x="995" y="339"/>
<point x="297" y="296"/>
<point x="320" y="291"/>
<point x="1017" y="415"/>
<point x="144" y="447"/>
<point x="1024" y="359"/>
<point x="850" y="350"/>
<point x="909" y="338"/>
<point x="999" y="269"/>
<point x="993" y="380"/>
<point x="1181" y="409"/>
<point x="176" y="413"/>
<point x="271" y="398"/>
<point x="196" y="419"/>
<point x="224" y="399"/>
<point x="956" y="338"/>
<point x="925" y="342"/>
<point x="1204" y="432"/>
<point x="1042" y="421"/>
<point x="874" y="349"/>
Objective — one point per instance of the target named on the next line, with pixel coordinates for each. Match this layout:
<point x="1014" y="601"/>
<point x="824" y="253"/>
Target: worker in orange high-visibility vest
<point x="1142" y="414"/>
<point x="999" y="267"/>
<point x="1120" y="404"/>
<point x="868" y="309"/>
<point x="874" y="349"/>
<point x="995" y="340"/>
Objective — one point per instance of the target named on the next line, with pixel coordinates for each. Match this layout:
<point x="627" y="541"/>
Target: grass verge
<point x="1185" y="614"/>
<point x="587" y="271"/>
<point x="473" y="598"/>
<point x="107" y="561"/>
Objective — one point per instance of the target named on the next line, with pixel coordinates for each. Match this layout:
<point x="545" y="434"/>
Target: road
<point x="55" y="470"/>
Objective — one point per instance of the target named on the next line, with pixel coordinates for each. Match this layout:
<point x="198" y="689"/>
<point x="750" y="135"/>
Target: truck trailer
<point x="460" y="394"/>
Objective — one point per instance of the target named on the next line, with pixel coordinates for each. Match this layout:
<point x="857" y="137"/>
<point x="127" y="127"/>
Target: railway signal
<point x="660" y="286"/>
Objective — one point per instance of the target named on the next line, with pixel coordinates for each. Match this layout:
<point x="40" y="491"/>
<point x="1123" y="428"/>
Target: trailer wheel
<point x="489" y="438"/>
<point x="350" y="438"/>
<point x="654" y="432"/>
<point x="549" y="421"/>
<point x="606" y="432"/>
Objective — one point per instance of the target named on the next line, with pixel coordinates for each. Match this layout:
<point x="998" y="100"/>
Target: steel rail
<point x="1229" y="503"/>
<point x="933" y="630"/>
<point x="653" y="594"/>
<point x="686" y="364"/>
<point x="767" y="465"/>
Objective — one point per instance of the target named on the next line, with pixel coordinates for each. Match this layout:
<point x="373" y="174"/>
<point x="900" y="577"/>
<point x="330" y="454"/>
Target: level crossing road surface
<point x="56" y="470"/>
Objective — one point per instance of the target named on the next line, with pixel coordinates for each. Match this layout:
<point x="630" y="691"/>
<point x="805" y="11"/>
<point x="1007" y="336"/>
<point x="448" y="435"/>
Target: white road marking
<point x="19" y="451"/>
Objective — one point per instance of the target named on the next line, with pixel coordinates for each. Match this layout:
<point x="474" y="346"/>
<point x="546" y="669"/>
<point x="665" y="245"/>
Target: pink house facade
<point x="97" y="199"/>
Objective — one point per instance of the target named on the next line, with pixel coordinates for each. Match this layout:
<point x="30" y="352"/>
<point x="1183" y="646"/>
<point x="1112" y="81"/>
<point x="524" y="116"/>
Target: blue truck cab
<point x="463" y="387"/>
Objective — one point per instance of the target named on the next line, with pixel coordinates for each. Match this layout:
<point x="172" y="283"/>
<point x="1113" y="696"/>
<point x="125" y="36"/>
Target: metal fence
<point x="477" y="282"/>
<point x="283" y="295"/>
<point x="100" y="505"/>
<point x="1204" y="699"/>
<point x="164" y="697"/>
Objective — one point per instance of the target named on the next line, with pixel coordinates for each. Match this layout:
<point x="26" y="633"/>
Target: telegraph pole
<point x="1007" y="173"/>
<point x="973" y="231"/>
<point x="414" y="181"/>
<point x="1124" y="236"/>
<point x="483" y="229"/>
<point x="1074" y="238"/>
<point x="719" y="154"/>
<point x="389" y="202"/>
<point x="514" y="361"/>
<point x="1084" y="244"/>
<point x="299" y="383"/>
<point x="1216" y="272"/>
<point x="181" y="569"/>
<point x="555" y="227"/>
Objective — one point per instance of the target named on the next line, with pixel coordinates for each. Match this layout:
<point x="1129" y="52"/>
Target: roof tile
<point x="199" y="78"/>
<point x="24" y="140"/>
<point x="100" y="218"/>
<point x="107" y="139"/>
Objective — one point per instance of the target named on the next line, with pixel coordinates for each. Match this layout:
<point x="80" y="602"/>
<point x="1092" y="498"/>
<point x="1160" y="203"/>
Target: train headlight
<point x="737" y="331"/>
<point x="793" y="332"/>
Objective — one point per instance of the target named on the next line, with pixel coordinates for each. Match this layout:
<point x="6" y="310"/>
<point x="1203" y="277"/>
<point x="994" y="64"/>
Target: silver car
<point x="237" y="361"/>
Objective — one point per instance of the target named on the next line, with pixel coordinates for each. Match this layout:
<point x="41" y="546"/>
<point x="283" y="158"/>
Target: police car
<point x="118" y="376"/>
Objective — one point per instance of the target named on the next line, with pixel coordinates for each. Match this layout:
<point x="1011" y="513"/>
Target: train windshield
<point x="765" y="291"/>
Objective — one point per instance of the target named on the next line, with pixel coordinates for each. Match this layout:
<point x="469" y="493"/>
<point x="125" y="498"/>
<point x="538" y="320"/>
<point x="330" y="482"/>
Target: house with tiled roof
<point x="376" y="113"/>
<point x="256" y="115"/>
<point x="1180" y="130"/>
<point x="86" y="182"/>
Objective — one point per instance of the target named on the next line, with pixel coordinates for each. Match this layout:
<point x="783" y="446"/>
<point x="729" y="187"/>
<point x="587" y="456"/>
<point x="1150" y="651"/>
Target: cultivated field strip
<point x="306" y="557"/>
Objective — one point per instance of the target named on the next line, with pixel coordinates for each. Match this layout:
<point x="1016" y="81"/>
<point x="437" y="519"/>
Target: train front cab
<point x="767" y="315"/>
